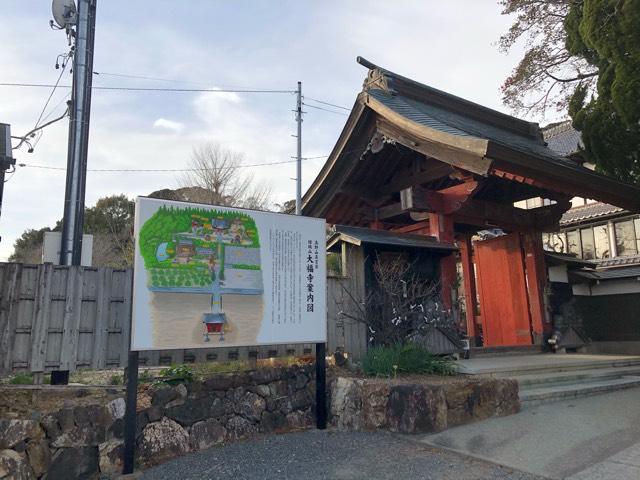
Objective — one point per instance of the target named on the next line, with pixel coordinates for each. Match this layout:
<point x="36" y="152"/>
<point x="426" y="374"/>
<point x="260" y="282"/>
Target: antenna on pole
<point x="84" y="19"/>
<point x="6" y="157"/>
<point x="299" y="155"/>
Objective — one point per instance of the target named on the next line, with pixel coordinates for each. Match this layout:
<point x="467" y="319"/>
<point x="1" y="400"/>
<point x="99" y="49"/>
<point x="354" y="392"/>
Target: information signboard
<point x="208" y="276"/>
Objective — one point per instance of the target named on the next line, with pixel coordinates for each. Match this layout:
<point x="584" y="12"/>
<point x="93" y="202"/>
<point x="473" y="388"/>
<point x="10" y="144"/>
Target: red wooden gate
<point x="502" y="287"/>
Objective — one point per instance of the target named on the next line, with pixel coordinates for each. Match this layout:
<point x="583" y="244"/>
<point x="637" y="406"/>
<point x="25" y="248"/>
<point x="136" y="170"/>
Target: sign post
<point x="210" y="276"/>
<point x="321" y="386"/>
<point x="130" y="413"/>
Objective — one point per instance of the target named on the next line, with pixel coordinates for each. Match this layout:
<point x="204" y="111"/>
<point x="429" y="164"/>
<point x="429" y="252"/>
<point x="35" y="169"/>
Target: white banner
<point x="208" y="276"/>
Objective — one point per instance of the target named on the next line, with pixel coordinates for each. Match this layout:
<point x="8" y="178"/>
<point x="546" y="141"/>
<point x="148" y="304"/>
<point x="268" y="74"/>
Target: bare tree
<point x="548" y="74"/>
<point x="401" y="306"/>
<point x="218" y="171"/>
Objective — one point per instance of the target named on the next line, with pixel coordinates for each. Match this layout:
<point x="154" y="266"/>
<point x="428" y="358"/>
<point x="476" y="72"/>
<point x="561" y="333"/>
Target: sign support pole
<point x="321" y="386"/>
<point x="130" y="413"/>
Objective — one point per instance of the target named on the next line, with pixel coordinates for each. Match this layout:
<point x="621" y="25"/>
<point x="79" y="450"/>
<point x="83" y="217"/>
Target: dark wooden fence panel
<point x="69" y="318"/>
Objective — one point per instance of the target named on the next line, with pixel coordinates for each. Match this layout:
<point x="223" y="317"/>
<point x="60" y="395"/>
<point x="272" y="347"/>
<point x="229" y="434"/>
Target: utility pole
<point x="72" y="226"/>
<point x="299" y="156"/>
<point x="6" y="160"/>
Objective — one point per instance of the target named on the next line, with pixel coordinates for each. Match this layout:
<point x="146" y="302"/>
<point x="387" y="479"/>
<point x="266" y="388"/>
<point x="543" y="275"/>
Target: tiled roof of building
<point x="610" y="273"/>
<point x="562" y="138"/>
<point x="591" y="211"/>
<point x="619" y="261"/>
<point x="359" y="235"/>
<point x="454" y="123"/>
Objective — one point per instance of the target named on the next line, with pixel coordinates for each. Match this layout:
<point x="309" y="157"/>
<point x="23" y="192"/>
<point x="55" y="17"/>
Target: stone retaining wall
<point x="420" y="407"/>
<point x="76" y="438"/>
<point x="66" y="433"/>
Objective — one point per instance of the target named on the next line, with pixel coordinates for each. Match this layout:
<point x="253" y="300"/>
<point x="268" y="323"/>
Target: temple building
<point x="415" y="160"/>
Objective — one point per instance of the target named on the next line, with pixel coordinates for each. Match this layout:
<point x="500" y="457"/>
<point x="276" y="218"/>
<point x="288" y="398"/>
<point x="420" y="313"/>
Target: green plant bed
<point x="392" y="360"/>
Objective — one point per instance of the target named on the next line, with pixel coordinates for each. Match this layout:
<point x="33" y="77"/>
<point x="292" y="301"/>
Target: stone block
<point x="162" y="441"/>
<point x="74" y="464"/>
<point x="111" y="457"/>
<point x="416" y="409"/>
<point x="251" y="406"/>
<point x="239" y="427"/>
<point x="14" y="466"/>
<point x="206" y="434"/>
<point x="13" y="432"/>
<point x="39" y="456"/>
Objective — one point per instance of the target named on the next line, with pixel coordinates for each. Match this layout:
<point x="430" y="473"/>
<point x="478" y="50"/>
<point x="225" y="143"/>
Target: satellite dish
<point x="64" y="12"/>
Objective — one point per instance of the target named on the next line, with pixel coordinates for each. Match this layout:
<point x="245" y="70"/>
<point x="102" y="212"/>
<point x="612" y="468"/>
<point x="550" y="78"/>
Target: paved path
<point x="592" y="438"/>
<point x="316" y="455"/>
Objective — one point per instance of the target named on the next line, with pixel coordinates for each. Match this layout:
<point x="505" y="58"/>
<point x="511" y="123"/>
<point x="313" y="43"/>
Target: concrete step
<point x="533" y="380"/>
<point x="535" y="396"/>
<point x="479" y="352"/>
<point x="563" y="363"/>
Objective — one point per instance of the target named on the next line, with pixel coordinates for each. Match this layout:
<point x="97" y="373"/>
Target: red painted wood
<point x="468" y="278"/>
<point x="441" y="227"/>
<point x="503" y="294"/>
<point x="536" y="281"/>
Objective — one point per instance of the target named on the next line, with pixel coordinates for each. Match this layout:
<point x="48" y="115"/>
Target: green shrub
<point x="116" y="379"/>
<point x="21" y="379"/>
<point x="145" y="376"/>
<point x="176" y="374"/>
<point x="390" y="360"/>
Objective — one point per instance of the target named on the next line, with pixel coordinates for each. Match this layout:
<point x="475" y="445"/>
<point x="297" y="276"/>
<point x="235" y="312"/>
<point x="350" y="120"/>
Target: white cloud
<point x="447" y="46"/>
<point x="163" y="123"/>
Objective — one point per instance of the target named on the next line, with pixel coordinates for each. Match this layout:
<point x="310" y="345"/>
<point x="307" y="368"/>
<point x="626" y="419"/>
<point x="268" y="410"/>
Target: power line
<point x="135" y="170"/>
<point x="153" y="89"/>
<point x="327" y="103"/>
<point x="53" y="90"/>
<point x="46" y="167"/>
<point x="23" y="139"/>
<point x="325" y="109"/>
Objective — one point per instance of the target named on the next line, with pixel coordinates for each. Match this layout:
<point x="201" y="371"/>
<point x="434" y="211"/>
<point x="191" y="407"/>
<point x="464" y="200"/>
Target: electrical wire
<point x="152" y="89"/>
<point x="136" y="170"/>
<point x="65" y="62"/>
<point x="46" y="167"/>
<point x="325" y="109"/>
<point x="23" y="139"/>
<point x="326" y="103"/>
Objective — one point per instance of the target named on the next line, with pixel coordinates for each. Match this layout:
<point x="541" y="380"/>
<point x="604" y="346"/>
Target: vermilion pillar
<point x="441" y="227"/>
<point x="536" y="281"/>
<point x="469" y="279"/>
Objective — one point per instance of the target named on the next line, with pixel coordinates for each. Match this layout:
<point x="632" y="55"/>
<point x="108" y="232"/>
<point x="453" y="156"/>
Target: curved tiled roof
<point x="589" y="212"/>
<point x="562" y="138"/>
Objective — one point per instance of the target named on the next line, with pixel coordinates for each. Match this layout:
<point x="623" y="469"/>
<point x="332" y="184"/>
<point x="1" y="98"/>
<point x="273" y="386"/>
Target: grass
<point x="392" y="360"/>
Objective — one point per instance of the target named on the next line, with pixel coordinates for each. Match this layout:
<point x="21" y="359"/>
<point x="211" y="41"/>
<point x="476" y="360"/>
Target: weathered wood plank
<point x="71" y="320"/>
<point x="9" y="301"/>
<point x="40" y="319"/>
<point x="99" y="353"/>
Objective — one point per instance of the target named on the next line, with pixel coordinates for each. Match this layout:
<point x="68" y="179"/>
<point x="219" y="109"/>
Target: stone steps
<point x="565" y="364"/>
<point x="479" y="352"/>
<point x="534" y="380"/>
<point x="563" y="391"/>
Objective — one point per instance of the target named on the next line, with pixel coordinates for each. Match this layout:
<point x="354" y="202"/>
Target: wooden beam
<point x="414" y="199"/>
<point x="485" y="213"/>
<point x="389" y="211"/>
<point x="464" y="152"/>
<point x="416" y="227"/>
<point x="407" y="178"/>
<point x="469" y="281"/>
<point x="370" y="196"/>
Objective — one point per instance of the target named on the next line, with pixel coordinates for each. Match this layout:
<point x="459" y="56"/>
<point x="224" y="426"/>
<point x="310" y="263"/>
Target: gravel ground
<point x="315" y="455"/>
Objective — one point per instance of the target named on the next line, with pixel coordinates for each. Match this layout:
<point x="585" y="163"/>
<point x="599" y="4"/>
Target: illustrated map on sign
<point x="194" y="250"/>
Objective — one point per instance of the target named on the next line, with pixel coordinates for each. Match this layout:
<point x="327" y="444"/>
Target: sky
<point x="215" y="44"/>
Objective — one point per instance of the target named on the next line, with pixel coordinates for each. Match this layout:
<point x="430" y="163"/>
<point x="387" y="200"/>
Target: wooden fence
<point x="69" y="318"/>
